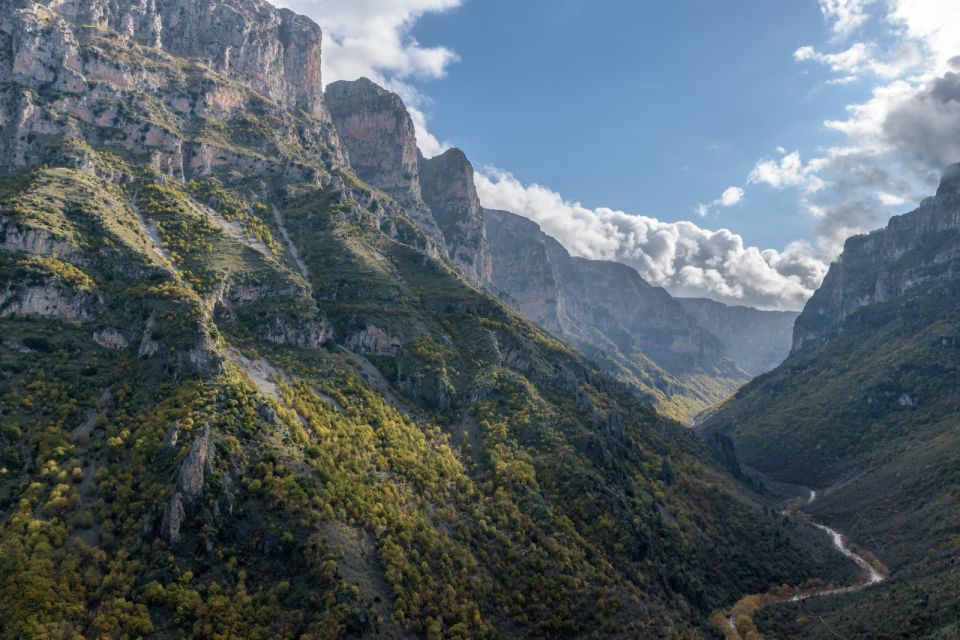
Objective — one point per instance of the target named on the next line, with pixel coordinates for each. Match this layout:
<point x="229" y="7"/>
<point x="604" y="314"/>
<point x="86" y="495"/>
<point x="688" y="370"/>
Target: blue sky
<point x="648" y="107"/>
<point x="723" y="149"/>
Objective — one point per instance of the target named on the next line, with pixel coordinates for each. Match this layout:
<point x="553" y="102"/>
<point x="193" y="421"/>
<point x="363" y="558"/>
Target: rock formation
<point x="66" y="81"/>
<point x="914" y="249"/>
<point x="607" y="309"/>
<point x="448" y="189"/>
<point x="379" y="135"/>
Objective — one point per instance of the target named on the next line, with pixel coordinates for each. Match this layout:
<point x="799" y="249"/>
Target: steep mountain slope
<point x="866" y="410"/>
<point x="243" y="394"/>
<point x="756" y="340"/>
<point x="637" y="331"/>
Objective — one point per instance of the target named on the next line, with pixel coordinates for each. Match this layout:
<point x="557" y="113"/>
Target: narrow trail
<point x="870" y="575"/>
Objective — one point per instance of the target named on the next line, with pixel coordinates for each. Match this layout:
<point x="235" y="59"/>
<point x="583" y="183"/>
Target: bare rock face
<point x="47" y="301"/>
<point x="110" y="338"/>
<point x="373" y="340"/>
<point x="916" y="249"/>
<point x="173" y="516"/>
<point x="297" y="332"/>
<point x="36" y="241"/>
<point x="447" y="185"/>
<point x="274" y="50"/>
<point x="379" y="135"/>
<point x="599" y="305"/>
<point x="62" y="77"/>
<point x="437" y="194"/>
<point x="199" y="461"/>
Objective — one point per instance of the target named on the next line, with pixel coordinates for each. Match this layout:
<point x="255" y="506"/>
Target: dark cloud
<point x="925" y="129"/>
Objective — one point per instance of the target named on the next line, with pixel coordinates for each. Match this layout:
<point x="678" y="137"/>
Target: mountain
<point x="244" y="393"/>
<point x="437" y="193"/>
<point x="637" y="331"/>
<point x="865" y="410"/>
<point x="757" y="341"/>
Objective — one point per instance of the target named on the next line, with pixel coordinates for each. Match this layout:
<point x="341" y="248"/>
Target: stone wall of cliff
<point x="916" y="249"/>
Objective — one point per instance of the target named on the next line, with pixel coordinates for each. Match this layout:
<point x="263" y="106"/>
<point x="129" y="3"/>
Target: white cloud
<point x="680" y="256"/>
<point x="373" y="39"/>
<point x="892" y="145"/>
<point x="788" y="172"/>
<point x="846" y="15"/>
<point x="731" y="197"/>
<point x="861" y="58"/>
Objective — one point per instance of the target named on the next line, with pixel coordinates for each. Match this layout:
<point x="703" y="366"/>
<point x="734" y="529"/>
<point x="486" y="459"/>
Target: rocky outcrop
<point x="379" y="136"/>
<point x="191" y="477"/>
<point x="32" y="240"/>
<point x="373" y="340"/>
<point x="446" y="183"/>
<point x="437" y="194"/>
<point x="297" y="331"/>
<point x="196" y="465"/>
<point x="378" y="133"/>
<point x="110" y="338"/>
<point x="914" y="250"/>
<point x="275" y="51"/>
<point x="756" y="340"/>
<point x="46" y="301"/>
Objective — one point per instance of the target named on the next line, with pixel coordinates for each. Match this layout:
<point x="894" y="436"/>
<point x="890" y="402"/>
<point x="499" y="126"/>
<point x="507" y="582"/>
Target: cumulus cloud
<point x="373" y="39"/>
<point x="680" y="256"/>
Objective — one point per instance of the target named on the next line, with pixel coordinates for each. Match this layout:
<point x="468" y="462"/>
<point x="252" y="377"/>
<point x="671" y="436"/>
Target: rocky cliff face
<point x="438" y="193"/>
<point x="607" y="309"/>
<point x="380" y="140"/>
<point x="918" y="248"/>
<point x="756" y="340"/>
<point x="379" y="136"/>
<point x="275" y="51"/>
<point x="448" y="189"/>
<point x="70" y="74"/>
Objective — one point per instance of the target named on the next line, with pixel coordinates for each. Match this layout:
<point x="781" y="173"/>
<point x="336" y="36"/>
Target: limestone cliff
<point x="438" y="193"/>
<point x="69" y="73"/>
<point x="918" y="248"/>
<point x="275" y="51"/>
<point x="447" y="185"/>
<point x="379" y="136"/>
<point x="638" y="331"/>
